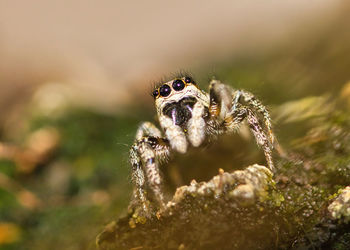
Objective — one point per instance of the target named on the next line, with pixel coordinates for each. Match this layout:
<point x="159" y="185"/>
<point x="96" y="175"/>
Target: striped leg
<point x="227" y="110"/>
<point x="240" y="113"/>
<point x="147" y="129"/>
<point x="260" y="136"/>
<point x="138" y="177"/>
<point x="254" y="103"/>
<point x="145" y="154"/>
<point x="220" y="100"/>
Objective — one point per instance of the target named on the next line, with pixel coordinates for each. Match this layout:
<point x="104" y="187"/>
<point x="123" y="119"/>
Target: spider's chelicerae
<point x="187" y="116"/>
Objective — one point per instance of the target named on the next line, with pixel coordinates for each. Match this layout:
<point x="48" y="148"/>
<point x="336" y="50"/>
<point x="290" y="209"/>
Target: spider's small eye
<point x="165" y="90"/>
<point x="188" y="79"/>
<point x="155" y="93"/>
<point x="178" y="85"/>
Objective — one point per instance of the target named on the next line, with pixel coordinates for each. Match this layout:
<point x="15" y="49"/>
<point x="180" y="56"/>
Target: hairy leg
<point x="220" y="96"/>
<point x="145" y="154"/>
<point x="147" y="129"/>
<point x="138" y="177"/>
<point x="260" y="136"/>
<point x="151" y="168"/>
<point x="220" y="100"/>
<point x="242" y="113"/>
<point x="255" y="104"/>
<point x="225" y="109"/>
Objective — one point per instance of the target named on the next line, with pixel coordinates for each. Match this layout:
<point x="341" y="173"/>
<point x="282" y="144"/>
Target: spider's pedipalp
<point x="196" y="125"/>
<point x="174" y="134"/>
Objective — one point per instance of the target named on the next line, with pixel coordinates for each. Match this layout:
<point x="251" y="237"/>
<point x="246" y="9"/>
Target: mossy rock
<point x="301" y="205"/>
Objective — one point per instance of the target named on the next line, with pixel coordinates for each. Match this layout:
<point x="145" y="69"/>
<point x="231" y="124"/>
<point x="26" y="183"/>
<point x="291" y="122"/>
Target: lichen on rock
<point x="224" y="206"/>
<point x="244" y="187"/>
<point x="340" y="207"/>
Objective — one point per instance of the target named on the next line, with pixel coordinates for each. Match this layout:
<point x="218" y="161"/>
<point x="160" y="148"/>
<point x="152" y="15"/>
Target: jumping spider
<point x="187" y="116"/>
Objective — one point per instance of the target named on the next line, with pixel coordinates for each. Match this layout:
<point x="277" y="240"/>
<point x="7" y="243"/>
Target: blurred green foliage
<point x="94" y="147"/>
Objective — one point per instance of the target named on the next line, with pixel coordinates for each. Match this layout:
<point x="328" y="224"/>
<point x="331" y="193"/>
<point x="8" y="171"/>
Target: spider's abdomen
<point x="180" y="112"/>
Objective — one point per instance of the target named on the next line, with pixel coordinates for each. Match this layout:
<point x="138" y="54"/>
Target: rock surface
<point x="340" y="207"/>
<point x="299" y="207"/>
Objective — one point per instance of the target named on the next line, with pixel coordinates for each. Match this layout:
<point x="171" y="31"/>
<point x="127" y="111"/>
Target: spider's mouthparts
<point x="180" y="112"/>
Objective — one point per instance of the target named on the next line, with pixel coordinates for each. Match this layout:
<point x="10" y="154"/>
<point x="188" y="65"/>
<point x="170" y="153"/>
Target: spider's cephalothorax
<point x="187" y="115"/>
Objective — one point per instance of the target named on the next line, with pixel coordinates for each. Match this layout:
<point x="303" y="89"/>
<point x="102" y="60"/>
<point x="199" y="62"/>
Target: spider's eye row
<point x="164" y="90"/>
<point x="178" y="85"/>
<point x="155" y="93"/>
<point x="188" y="79"/>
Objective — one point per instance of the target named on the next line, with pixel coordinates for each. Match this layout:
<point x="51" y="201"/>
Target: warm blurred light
<point x="52" y="98"/>
<point x="100" y="197"/>
<point x="345" y="93"/>
<point x="101" y="48"/>
<point x="9" y="233"/>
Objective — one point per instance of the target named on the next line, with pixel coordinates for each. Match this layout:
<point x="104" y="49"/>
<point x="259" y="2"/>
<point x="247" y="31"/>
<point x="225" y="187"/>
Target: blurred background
<point x="75" y="82"/>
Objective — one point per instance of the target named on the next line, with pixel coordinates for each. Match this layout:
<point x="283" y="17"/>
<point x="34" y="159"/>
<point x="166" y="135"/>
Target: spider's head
<point x="176" y="99"/>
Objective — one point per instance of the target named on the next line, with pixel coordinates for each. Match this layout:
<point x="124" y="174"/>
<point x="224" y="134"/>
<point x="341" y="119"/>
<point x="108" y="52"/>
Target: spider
<point x="187" y="116"/>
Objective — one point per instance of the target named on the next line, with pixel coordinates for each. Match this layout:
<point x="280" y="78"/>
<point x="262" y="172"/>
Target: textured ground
<point x="305" y="204"/>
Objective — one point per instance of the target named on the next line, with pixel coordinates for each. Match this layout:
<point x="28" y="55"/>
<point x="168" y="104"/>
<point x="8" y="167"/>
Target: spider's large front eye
<point x="165" y="90"/>
<point x="178" y="85"/>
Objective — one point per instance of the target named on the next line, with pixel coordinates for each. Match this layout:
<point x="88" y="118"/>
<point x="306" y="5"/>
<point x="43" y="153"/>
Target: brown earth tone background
<point x="75" y="78"/>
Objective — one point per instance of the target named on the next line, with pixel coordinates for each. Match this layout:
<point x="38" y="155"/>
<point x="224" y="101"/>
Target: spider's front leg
<point x="148" y="150"/>
<point x="226" y="109"/>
